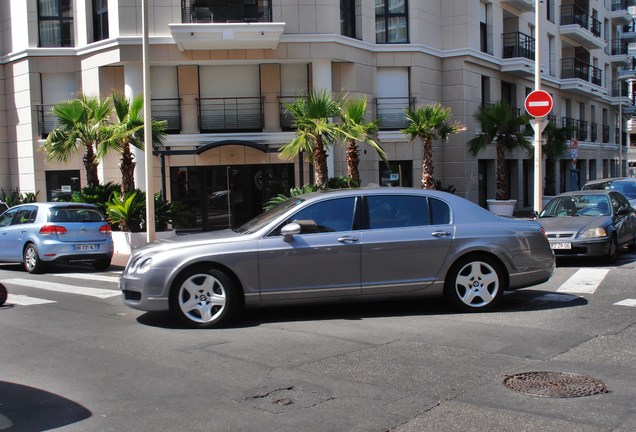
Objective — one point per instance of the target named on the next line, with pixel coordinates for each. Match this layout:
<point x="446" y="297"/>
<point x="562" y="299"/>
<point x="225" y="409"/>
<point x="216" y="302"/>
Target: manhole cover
<point x="554" y="384"/>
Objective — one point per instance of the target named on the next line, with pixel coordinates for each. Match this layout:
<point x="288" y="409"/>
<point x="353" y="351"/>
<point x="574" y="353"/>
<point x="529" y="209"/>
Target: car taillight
<point x="52" y="229"/>
<point x="105" y="229"/>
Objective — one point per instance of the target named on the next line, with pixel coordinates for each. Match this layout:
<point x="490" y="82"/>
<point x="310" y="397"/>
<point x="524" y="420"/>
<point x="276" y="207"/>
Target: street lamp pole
<point x="150" y="195"/>
<point x="536" y="126"/>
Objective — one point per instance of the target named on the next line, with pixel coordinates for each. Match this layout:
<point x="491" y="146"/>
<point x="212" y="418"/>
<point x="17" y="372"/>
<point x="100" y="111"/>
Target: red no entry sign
<point x="539" y="103"/>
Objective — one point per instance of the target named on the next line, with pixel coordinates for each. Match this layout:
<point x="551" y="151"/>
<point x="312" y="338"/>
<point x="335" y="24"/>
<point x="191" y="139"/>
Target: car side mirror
<point x="290" y="230"/>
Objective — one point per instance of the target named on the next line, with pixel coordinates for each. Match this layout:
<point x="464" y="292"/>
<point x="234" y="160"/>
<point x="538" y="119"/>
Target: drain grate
<point x="554" y="384"/>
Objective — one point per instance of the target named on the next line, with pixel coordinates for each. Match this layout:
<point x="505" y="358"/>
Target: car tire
<point x="475" y="283"/>
<point x="101" y="264"/>
<point x="612" y="253"/>
<point x="31" y="259"/>
<point x="204" y="297"/>
<point x="632" y="246"/>
<point x="3" y="294"/>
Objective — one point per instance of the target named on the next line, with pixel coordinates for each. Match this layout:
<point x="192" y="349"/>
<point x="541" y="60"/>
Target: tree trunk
<point x="502" y="177"/>
<point x="91" y="167"/>
<point x="427" y="166"/>
<point x="127" y="168"/>
<point x="550" y="177"/>
<point x="353" y="161"/>
<point x="320" y="164"/>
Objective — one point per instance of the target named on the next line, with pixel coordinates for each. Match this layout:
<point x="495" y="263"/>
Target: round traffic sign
<point x="539" y="103"/>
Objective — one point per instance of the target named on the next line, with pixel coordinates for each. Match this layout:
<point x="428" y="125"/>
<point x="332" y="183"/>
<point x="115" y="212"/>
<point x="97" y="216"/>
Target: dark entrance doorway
<point x="225" y="196"/>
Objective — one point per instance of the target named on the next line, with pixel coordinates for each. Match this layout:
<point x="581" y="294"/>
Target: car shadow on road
<point x="517" y="301"/>
<point x="24" y="408"/>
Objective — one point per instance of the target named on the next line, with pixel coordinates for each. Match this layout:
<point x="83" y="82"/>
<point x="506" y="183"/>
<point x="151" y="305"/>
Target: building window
<point x="484" y="45"/>
<point x="391" y="21"/>
<point x="348" y="18"/>
<point x="100" y="20"/>
<point x="55" y="23"/>
<point x="550" y="10"/>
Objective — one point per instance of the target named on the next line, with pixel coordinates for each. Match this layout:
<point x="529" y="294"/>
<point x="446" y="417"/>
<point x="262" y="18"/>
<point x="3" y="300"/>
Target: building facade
<point x="219" y="70"/>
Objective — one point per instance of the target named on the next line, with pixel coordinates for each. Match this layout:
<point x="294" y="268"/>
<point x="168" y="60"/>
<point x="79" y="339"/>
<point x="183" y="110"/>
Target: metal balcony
<point x="225" y="11"/>
<point x="391" y="112"/>
<point x="168" y="110"/>
<point x="580" y="27"/>
<point x="46" y="120"/>
<point x="242" y="114"/>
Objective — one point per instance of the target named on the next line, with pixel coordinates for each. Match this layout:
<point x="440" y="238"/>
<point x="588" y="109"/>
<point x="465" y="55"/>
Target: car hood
<point x="571" y="223"/>
<point x="190" y="240"/>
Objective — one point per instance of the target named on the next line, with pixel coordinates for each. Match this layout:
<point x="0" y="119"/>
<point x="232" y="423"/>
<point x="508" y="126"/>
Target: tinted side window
<point x="397" y="211"/>
<point x="7" y="217"/>
<point x="440" y="212"/>
<point x="24" y="216"/>
<point x="327" y="216"/>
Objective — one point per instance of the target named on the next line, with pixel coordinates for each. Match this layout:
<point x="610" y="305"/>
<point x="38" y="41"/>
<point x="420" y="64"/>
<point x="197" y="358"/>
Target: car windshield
<point x="74" y="214"/>
<point x="264" y="218"/>
<point x="627" y="188"/>
<point x="577" y="205"/>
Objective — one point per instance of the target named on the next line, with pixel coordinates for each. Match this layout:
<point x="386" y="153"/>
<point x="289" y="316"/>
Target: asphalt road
<point x="77" y="359"/>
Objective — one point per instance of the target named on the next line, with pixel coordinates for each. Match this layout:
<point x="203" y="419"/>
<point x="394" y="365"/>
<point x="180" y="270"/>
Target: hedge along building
<point x="219" y="70"/>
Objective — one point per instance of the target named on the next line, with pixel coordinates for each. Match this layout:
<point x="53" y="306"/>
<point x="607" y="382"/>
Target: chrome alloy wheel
<point x="202" y="298"/>
<point x="477" y="284"/>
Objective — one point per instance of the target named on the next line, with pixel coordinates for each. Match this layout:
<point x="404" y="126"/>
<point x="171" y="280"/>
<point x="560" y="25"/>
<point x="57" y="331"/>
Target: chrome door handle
<point x="348" y="239"/>
<point x="440" y="234"/>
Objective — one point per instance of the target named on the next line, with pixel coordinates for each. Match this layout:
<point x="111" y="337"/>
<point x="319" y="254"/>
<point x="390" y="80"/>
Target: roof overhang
<point x="582" y="36"/>
<point x="215" y="36"/>
<point x="211" y="145"/>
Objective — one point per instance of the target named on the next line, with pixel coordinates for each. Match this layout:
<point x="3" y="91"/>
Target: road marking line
<point x="584" y="281"/>
<point x="63" y="288"/>
<point x="86" y="276"/>
<point x="628" y="302"/>
<point x="23" y="300"/>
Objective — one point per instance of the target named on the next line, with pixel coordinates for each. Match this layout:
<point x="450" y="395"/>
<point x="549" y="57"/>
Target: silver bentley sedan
<point x="381" y="242"/>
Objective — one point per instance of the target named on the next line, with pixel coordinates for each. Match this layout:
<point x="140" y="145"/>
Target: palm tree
<point x="129" y="130"/>
<point x="555" y="146"/>
<point x="501" y="124"/>
<point x="82" y="123"/>
<point x="356" y="129"/>
<point x="315" y="131"/>
<point x="430" y="123"/>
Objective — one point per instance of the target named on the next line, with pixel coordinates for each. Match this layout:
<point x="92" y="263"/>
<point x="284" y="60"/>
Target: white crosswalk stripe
<point x="584" y="281"/>
<point x="23" y="300"/>
<point x="627" y="302"/>
<point x="64" y="288"/>
<point x="84" y="276"/>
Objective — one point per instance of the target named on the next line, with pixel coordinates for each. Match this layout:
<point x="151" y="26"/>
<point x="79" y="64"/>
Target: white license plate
<point x="88" y="247"/>
<point x="563" y="245"/>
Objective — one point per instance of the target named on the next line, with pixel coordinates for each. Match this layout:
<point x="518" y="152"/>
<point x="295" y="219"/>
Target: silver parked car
<point x="345" y="243"/>
<point x="589" y="223"/>
<point x="40" y="234"/>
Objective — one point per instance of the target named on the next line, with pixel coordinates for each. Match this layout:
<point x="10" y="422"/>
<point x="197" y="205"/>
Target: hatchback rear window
<point x="75" y="215"/>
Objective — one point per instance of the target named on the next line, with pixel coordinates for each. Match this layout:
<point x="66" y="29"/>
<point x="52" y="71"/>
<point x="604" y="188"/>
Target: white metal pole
<point x="150" y="195"/>
<point x="620" y="128"/>
<point x="538" y="172"/>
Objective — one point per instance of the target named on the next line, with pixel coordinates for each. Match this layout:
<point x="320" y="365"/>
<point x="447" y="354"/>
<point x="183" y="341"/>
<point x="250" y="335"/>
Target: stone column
<point x="133" y="86"/>
<point x="321" y="80"/>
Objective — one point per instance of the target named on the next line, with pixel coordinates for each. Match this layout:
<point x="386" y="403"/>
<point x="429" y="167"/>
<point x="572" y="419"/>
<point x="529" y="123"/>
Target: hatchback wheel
<point x="612" y="252"/>
<point x="474" y="284"/>
<point x="32" y="261"/>
<point x="204" y="298"/>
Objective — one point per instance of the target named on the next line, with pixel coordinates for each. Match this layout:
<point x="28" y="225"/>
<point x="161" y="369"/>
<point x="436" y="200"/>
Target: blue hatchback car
<point x="39" y="234"/>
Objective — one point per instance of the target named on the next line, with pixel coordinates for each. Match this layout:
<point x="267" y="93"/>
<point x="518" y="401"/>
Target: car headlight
<point x="594" y="233"/>
<point x="141" y="266"/>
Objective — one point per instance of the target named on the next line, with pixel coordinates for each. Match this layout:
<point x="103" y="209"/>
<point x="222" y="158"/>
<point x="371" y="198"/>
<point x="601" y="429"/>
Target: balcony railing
<point x="168" y="110"/>
<point x="569" y="123"/>
<point x="286" y="119"/>
<point x="244" y="114"/>
<point x="576" y="68"/>
<point x="606" y="133"/>
<point x="620" y="88"/>
<point x="46" y="120"/>
<point x="225" y="11"/>
<point x="594" y="132"/>
<point x="581" y="127"/>
<point x="517" y="44"/>
<point x="390" y="112"/>
<point x="572" y="14"/>
<point x="619" y="47"/>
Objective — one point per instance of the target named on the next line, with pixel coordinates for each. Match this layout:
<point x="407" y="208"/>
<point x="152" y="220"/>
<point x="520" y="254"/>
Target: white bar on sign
<point x="538" y="103"/>
<point x="584" y="281"/>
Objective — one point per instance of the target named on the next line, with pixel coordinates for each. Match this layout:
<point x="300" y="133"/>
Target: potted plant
<point x="508" y="130"/>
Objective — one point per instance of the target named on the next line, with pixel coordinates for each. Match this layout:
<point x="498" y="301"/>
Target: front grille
<point x="131" y="295"/>
<point x="560" y="235"/>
